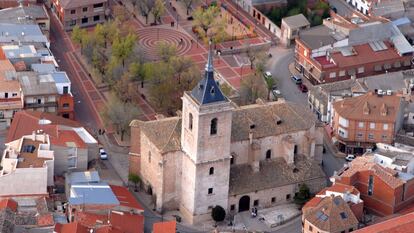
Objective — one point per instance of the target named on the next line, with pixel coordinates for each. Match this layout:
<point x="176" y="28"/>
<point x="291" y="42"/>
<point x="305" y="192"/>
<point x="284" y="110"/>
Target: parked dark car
<point x="303" y="88"/>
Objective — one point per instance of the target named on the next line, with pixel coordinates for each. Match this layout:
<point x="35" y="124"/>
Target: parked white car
<point x="102" y="154"/>
<point x="349" y="157"/>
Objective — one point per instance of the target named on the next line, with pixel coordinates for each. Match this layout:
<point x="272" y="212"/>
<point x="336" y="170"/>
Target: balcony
<point x="40" y="105"/>
<point x="98" y="9"/>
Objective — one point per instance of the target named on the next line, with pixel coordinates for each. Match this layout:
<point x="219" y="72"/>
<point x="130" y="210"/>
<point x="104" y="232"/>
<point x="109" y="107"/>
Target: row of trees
<point x="148" y="7"/>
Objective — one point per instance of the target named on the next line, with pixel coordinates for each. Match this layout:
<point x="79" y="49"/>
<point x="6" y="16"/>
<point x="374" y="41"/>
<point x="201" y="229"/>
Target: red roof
<point x="364" y="55"/>
<point x="45" y="220"/>
<point x="73" y="227"/>
<point x="402" y="224"/>
<point x="25" y="122"/>
<point x="119" y="222"/>
<point x="8" y="203"/>
<point x="89" y="219"/>
<point x="125" y="197"/>
<point x="165" y="227"/>
<point x="127" y="223"/>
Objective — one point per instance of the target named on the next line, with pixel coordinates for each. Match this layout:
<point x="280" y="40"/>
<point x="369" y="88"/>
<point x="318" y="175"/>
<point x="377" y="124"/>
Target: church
<point x="218" y="153"/>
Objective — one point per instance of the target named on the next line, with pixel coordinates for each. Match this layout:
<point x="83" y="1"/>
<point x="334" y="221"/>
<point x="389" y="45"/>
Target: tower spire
<point x="209" y="65"/>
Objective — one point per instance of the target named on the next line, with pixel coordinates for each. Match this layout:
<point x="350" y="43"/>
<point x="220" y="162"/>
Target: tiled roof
<point x="317" y="37"/>
<point x="296" y="21"/>
<point x="272" y="174"/>
<point x="332" y="214"/>
<point x="164" y="227"/>
<point x="402" y="224"/>
<point x="365" y="55"/>
<point x="366" y="163"/>
<point x="120" y="222"/>
<point x="265" y="117"/>
<point x="125" y="197"/>
<point x="269" y="119"/>
<point x="8" y="203"/>
<point x="164" y="133"/>
<point x="353" y="108"/>
<point x="25" y="122"/>
<point x="69" y="4"/>
<point x="73" y="227"/>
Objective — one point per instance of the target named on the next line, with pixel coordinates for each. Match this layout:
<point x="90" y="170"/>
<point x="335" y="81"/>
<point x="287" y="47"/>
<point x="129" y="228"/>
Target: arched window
<point x="211" y="172"/>
<point x="190" y="121"/>
<point x="213" y="127"/>
<point x="268" y="154"/>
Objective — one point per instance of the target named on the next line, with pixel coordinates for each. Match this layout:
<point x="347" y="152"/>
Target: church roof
<point x="207" y="90"/>
<point x="165" y="134"/>
<point x="272" y="174"/>
<point x="269" y="119"/>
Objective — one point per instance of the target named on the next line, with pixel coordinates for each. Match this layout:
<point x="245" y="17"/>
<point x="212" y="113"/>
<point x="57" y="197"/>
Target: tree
<point x="188" y="4"/>
<point x="121" y="13"/>
<point x="80" y="36"/>
<point x="123" y="47"/>
<point x="218" y="213"/>
<point x="145" y="6"/>
<point x="165" y="51"/>
<point x="158" y="10"/>
<point x="303" y="195"/>
<point x="119" y="115"/>
<point x="134" y="178"/>
<point x="168" y="80"/>
<point x="209" y="25"/>
<point x="252" y="88"/>
<point x="270" y="83"/>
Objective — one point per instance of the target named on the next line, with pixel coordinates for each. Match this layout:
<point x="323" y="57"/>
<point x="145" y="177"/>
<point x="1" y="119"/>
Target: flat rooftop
<point x="28" y="155"/>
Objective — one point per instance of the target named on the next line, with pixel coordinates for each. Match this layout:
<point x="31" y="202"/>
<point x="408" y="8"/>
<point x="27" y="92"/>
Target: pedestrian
<point x="103" y="132"/>
<point x="99" y="132"/>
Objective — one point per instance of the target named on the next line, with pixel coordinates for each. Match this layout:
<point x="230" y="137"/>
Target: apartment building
<point x="344" y="49"/>
<point x="27" y="166"/>
<point x="11" y="96"/>
<point x="72" y="144"/>
<point x="360" y="122"/>
<point x="383" y="190"/>
<point x="80" y="12"/>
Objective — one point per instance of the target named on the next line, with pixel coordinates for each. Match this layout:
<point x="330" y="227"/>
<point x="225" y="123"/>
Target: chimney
<point x="383" y="109"/>
<point x="366" y="109"/>
<point x="251" y="137"/>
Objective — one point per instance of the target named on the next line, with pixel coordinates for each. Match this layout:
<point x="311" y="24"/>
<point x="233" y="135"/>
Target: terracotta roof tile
<point x="366" y="163"/>
<point x="25" y="122"/>
<point x="332" y="214"/>
<point x="73" y="227"/>
<point x="45" y="220"/>
<point x="364" y="55"/>
<point x="8" y="203"/>
<point x="353" y="108"/>
<point x="165" y="227"/>
<point x="68" y="4"/>
<point x="402" y="224"/>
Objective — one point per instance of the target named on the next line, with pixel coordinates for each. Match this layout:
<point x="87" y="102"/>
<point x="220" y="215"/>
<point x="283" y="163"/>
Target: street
<point x="278" y="65"/>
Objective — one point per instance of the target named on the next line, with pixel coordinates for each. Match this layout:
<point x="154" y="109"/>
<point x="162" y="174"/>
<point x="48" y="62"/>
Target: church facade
<point x="217" y="153"/>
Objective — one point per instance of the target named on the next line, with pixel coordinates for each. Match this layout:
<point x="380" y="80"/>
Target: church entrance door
<point x="244" y="203"/>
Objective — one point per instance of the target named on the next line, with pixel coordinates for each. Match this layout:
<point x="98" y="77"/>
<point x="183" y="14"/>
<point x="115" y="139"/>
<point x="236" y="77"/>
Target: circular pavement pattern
<point x="149" y="37"/>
